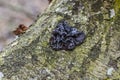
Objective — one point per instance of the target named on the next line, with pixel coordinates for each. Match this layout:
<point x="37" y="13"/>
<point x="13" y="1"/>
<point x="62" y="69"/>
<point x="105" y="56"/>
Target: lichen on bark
<point x="30" y="57"/>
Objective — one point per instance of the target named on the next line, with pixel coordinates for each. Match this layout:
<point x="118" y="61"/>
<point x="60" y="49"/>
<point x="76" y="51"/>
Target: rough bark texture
<point x="30" y="57"/>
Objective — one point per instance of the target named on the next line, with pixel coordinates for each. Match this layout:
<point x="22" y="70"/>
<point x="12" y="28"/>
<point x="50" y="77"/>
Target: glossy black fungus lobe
<point x="65" y="37"/>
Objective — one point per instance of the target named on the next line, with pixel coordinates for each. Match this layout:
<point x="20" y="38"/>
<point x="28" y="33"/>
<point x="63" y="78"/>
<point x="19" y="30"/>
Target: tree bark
<point x="30" y="58"/>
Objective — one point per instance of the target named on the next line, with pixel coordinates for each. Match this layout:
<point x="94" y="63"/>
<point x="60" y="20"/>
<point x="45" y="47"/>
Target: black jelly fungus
<point x="65" y="37"/>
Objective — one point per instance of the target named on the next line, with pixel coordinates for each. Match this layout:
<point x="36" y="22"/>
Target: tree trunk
<point x="31" y="58"/>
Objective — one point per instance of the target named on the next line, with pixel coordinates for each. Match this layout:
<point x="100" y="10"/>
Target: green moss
<point x="117" y="6"/>
<point x="96" y="6"/>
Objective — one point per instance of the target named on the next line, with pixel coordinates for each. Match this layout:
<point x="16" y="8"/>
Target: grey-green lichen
<point x="30" y="57"/>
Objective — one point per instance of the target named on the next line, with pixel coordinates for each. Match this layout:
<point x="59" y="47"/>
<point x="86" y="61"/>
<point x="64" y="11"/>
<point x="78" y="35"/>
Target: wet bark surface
<point x="97" y="58"/>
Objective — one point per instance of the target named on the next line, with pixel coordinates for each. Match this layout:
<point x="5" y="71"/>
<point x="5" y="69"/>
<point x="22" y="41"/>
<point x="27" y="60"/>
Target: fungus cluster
<point x="65" y="37"/>
<point x="20" y="30"/>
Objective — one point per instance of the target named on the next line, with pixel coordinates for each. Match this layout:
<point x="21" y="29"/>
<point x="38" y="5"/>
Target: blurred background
<point x="15" y="12"/>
